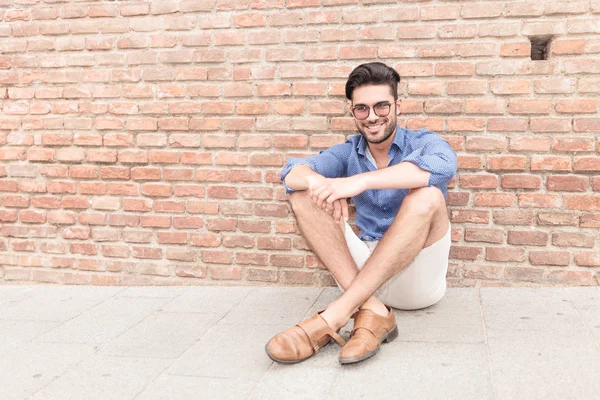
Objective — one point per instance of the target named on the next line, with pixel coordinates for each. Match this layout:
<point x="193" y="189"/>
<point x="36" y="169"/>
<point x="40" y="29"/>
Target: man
<point x="397" y="179"/>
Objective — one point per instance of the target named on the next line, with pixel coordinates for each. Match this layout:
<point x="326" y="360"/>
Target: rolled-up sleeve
<point x="434" y="155"/>
<point x="331" y="163"/>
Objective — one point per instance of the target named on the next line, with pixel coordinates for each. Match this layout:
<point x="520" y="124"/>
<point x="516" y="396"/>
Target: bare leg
<point x="327" y="240"/>
<point x="421" y="221"/>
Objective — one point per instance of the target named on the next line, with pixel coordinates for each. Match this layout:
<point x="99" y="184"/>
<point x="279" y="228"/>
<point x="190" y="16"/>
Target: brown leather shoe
<point x="302" y="341"/>
<point x="370" y="329"/>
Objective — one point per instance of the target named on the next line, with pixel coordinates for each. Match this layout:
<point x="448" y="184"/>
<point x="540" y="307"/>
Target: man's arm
<point x="432" y="163"/>
<point x="302" y="177"/>
<point x="405" y="175"/>
<point x="330" y="163"/>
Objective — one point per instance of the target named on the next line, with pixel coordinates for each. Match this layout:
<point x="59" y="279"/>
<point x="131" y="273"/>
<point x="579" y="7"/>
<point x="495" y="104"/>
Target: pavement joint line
<point x="96" y="347"/>
<point x="487" y="346"/>
<point x="272" y="362"/>
<point x="581" y="319"/>
<point x="164" y="372"/>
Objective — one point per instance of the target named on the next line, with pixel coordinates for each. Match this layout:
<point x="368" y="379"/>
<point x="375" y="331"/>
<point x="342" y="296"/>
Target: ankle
<point x="373" y="304"/>
<point x="335" y="319"/>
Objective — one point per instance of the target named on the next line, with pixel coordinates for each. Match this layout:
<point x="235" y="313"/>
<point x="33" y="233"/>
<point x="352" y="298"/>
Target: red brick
<point x="557" y="219"/>
<point x="568" y="183"/>
<point x="523" y="106"/>
<point x="527" y="238"/>
<point x="504" y="254"/>
<point x="581" y="202"/>
<point x="571" y="144"/>
<point x="271" y="210"/>
<point x="464" y="253"/>
<point x="508" y="124"/>
<point x="458" y="198"/>
<point x="524" y="274"/>
<point x="538" y="200"/>
<point x="522" y="49"/>
<point x="261" y="275"/>
<point x="549" y="257"/>
<point x="568" y="239"/>
<point x="485" y="143"/>
<point x="494" y="199"/>
<point x="473" y="216"/>
<point x="521" y="181"/>
<point x="280" y="260"/>
<point x="588" y="259"/>
<point x="484" y="235"/>
<point x="272" y="243"/>
<point x="550" y="163"/>
<point x="514" y="217"/>
<point x="587" y="164"/>
<point x="586" y="124"/>
<point x="216" y="257"/>
<point x="478" y="181"/>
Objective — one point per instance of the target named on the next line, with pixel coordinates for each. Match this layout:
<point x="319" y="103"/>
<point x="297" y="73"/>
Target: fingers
<point x="344" y="209"/>
<point x="337" y="213"/>
<point x="316" y="191"/>
<point x="322" y="197"/>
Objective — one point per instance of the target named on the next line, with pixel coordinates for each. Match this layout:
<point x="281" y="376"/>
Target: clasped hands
<point x="330" y="194"/>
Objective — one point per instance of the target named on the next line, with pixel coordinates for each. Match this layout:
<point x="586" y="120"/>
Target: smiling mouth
<point x="374" y="128"/>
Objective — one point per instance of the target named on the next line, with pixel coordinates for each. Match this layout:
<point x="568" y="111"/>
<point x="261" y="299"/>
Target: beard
<point x="387" y="128"/>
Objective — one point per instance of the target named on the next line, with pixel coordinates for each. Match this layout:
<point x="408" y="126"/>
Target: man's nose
<point x="372" y="116"/>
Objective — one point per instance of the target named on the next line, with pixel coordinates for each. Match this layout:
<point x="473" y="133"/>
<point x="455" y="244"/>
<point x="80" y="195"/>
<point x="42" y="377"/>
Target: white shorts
<point x="420" y="284"/>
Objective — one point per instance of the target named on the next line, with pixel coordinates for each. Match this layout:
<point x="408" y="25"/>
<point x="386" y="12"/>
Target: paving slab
<point x="152" y="291"/>
<point x="29" y="368"/>
<point x="207" y="300"/>
<point x="59" y="342"/>
<point x="14" y="333"/>
<point x="531" y="365"/>
<point x="529" y="308"/>
<point x="104" y="378"/>
<point x="161" y="335"/>
<point x="587" y="303"/>
<point x="56" y="303"/>
<point x="172" y="387"/>
<point x="105" y="321"/>
<point x="438" y="323"/>
<point x="411" y="370"/>
<point x="285" y="306"/>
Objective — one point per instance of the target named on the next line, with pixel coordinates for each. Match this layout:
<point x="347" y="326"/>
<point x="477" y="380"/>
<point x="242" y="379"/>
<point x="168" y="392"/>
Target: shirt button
<point x="385" y="208"/>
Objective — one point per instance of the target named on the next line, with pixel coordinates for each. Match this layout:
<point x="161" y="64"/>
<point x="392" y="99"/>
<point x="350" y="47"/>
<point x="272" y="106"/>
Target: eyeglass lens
<point x="362" y="112"/>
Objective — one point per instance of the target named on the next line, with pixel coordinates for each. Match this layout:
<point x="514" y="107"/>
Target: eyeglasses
<point x="380" y="109"/>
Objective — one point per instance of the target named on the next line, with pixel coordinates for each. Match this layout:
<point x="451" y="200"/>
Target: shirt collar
<point x="398" y="141"/>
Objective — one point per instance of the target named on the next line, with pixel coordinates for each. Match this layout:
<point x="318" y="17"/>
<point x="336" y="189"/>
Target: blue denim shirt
<point x="376" y="209"/>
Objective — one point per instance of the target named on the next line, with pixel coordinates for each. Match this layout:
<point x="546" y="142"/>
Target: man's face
<point x="375" y="129"/>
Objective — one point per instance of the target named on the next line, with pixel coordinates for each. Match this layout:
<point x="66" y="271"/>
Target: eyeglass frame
<point x="389" y="104"/>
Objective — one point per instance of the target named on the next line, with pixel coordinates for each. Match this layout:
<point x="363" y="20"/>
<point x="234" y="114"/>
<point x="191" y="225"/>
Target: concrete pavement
<point x="150" y="343"/>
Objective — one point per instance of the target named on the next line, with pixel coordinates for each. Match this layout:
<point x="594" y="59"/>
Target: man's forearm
<point x="299" y="178"/>
<point x="405" y="175"/>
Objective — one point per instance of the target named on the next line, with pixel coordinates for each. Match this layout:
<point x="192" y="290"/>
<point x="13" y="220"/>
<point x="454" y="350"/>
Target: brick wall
<point x="142" y="141"/>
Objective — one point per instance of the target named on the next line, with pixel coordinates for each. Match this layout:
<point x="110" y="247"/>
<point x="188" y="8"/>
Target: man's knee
<point x="425" y="201"/>
<point x="300" y="201"/>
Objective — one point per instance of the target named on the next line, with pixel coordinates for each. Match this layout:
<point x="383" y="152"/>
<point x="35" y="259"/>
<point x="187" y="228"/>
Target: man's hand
<point x="340" y="210"/>
<point x="326" y="192"/>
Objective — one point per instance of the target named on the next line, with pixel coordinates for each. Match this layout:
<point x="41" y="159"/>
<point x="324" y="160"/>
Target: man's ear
<point x="398" y="104"/>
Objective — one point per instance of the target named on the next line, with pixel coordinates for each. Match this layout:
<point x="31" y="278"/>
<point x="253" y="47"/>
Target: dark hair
<point x="375" y="73"/>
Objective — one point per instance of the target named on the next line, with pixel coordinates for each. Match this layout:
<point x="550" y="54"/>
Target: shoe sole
<point x="391" y="335"/>
<point x="290" y="361"/>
